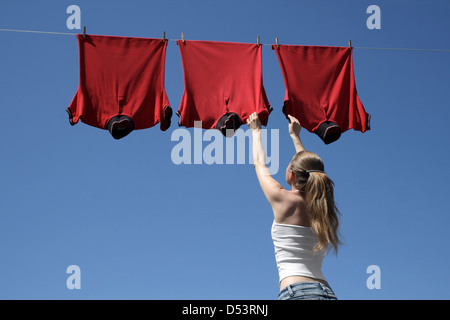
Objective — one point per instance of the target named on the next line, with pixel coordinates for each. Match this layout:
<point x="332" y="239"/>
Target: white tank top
<point x="294" y="255"/>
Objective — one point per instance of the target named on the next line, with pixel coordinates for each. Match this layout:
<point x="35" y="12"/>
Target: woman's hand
<point x="294" y="131"/>
<point x="253" y="121"/>
<point x="294" y="126"/>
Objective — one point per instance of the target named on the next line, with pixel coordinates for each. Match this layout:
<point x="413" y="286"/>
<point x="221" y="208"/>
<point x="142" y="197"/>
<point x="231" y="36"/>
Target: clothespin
<point x="350" y="44"/>
<point x="84" y="32"/>
<point x="182" y="37"/>
<point x="258" y="43"/>
<point x="164" y="36"/>
<point x="276" y="40"/>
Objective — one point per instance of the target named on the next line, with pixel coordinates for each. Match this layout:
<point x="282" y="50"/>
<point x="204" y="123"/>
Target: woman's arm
<point x="271" y="188"/>
<point x="294" y="132"/>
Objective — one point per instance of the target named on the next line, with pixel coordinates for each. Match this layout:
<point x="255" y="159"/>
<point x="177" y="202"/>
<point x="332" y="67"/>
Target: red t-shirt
<point x="320" y="87"/>
<point x="221" y="78"/>
<point x="121" y="77"/>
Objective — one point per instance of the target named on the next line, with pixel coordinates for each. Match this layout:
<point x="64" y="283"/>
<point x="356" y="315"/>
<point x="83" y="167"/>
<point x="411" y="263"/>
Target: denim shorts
<point x="307" y="291"/>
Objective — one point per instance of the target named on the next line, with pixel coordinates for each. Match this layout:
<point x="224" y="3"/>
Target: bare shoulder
<point x="292" y="210"/>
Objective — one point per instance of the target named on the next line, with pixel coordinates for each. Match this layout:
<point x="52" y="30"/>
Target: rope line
<point x="267" y="44"/>
<point x="402" y="49"/>
<point x="32" y="31"/>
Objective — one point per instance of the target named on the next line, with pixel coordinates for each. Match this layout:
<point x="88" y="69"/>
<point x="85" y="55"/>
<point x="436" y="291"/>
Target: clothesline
<point x="33" y="31"/>
<point x="263" y="44"/>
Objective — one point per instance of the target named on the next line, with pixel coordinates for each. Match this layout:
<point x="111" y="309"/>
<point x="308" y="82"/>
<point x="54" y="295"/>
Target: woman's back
<point x="292" y="210"/>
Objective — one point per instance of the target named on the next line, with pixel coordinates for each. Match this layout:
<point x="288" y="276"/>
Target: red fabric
<point x="221" y="77"/>
<point x="320" y="86"/>
<point x="120" y="76"/>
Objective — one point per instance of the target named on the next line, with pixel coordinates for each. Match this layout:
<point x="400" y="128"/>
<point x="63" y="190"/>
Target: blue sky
<point x="141" y="227"/>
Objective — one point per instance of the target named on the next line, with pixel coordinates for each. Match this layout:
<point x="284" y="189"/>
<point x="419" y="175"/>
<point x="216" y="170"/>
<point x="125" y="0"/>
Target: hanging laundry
<point x="321" y="90"/>
<point x="223" y="85"/>
<point x="121" y="84"/>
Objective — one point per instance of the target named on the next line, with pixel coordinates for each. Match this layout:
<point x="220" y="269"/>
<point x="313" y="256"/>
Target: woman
<point x="306" y="221"/>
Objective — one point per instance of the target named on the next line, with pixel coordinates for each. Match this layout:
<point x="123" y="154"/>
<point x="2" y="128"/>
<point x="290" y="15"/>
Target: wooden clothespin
<point x="276" y="40"/>
<point x="182" y="37"/>
<point x="258" y="41"/>
<point x="84" y="32"/>
<point x="350" y="44"/>
<point x="164" y="36"/>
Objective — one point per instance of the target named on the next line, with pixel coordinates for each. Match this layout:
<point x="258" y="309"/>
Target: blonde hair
<point x="318" y="190"/>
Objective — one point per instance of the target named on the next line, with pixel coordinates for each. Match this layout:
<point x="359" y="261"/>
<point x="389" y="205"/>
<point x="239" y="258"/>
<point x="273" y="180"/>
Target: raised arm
<point x="271" y="188"/>
<point x="294" y="132"/>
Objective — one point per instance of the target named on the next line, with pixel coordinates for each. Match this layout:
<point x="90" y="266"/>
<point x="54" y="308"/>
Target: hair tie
<point x="309" y="171"/>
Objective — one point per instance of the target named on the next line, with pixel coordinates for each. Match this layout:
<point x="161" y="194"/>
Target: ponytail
<point x="322" y="211"/>
<point x="318" y="190"/>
